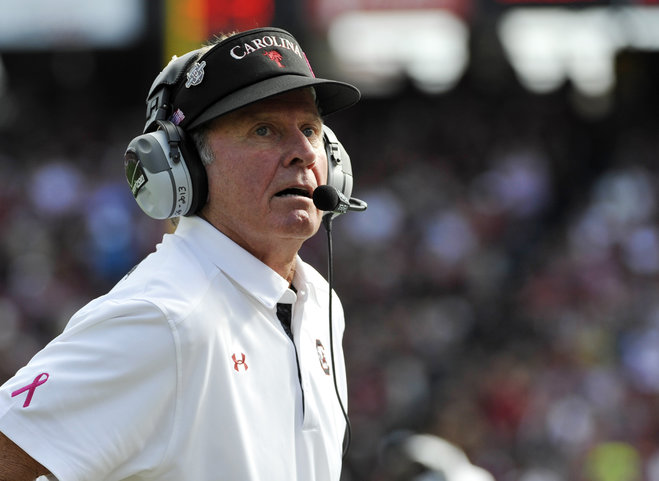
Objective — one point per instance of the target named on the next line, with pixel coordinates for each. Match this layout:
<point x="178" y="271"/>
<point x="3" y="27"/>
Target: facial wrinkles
<point x="251" y="168"/>
<point x="285" y="139"/>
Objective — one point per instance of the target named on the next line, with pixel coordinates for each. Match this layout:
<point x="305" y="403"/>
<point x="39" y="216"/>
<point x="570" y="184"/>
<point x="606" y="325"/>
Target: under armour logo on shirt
<point x="30" y="388"/>
<point x="238" y="363"/>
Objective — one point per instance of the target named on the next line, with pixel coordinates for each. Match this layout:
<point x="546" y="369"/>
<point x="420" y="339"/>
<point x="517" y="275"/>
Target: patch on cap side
<point x="195" y="75"/>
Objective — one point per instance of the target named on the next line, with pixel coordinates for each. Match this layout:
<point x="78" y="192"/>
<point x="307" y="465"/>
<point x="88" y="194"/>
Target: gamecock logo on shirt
<point x="321" y="357"/>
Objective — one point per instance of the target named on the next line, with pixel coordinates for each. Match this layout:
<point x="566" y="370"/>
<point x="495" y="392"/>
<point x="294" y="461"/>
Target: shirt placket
<point x="285" y="315"/>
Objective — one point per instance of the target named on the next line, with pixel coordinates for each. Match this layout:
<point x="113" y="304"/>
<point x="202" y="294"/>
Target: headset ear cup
<point x="339" y="169"/>
<point x="165" y="173"/>
<point x="197" y="172"/>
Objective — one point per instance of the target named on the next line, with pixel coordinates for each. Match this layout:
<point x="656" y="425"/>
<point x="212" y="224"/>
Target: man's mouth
<point x="294" y="192"/>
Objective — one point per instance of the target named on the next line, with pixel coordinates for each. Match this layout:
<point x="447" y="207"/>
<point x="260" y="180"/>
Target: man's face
<point x="269" y="157"/>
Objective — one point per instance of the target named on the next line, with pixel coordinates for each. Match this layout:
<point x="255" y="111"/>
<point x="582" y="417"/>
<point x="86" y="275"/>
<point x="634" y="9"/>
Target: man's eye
<point x="262" y="131"/>
<point x="308" y="132"/>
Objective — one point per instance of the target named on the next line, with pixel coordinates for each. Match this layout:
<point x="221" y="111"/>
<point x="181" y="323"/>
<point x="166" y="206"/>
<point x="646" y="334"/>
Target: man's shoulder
<point x="171" y="275"/>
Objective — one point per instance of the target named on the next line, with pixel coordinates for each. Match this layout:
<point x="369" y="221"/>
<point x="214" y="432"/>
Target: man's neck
<point x="278" y="254"/>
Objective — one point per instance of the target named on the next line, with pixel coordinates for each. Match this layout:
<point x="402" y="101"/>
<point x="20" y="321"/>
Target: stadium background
<point x="501" y="290"/>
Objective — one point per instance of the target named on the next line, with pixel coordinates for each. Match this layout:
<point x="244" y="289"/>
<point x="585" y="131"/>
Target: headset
<point x="163" y="168"/>
<point x="168" y="179"/>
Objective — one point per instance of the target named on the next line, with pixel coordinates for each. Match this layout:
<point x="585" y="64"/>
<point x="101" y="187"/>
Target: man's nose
<point x="300" y="150"/>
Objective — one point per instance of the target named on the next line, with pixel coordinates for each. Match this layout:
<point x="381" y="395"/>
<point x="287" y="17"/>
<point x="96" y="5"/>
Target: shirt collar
<point x="253" y="276"/>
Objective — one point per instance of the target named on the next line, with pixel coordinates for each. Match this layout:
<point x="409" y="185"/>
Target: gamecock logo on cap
<point x="274" y="56"/>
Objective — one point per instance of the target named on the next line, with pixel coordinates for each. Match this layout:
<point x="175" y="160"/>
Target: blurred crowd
<point x="500" y="291"/>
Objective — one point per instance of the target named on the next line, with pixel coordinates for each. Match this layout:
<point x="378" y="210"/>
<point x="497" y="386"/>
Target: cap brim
<point x="331" y="95"/>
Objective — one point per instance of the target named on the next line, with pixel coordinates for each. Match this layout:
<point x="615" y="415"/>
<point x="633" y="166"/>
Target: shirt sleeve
<point x="98" y="401"/>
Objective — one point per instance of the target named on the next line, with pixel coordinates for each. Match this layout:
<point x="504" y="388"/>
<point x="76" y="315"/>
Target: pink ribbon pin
<point x="31" y="388"/>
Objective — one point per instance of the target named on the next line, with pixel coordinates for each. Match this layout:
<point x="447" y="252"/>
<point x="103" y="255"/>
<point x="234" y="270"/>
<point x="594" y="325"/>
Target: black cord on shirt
<point x="327" y="222"/>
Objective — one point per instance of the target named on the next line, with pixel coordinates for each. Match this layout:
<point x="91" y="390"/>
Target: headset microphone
<point x="329" y="199"/>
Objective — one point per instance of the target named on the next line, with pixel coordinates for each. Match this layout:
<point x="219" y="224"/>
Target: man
<point x="184" y="371"/>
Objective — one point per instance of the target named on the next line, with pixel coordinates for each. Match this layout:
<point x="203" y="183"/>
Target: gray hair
<point x="201" y="142"/>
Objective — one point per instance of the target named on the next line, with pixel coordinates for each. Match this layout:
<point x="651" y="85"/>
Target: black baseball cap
<point x="241" y="69"/>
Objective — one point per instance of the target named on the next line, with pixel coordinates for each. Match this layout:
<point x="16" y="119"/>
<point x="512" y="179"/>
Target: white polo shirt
<point x="183" y="372"/>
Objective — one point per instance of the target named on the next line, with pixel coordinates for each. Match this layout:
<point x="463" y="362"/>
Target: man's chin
<point x="300" y="224"/>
